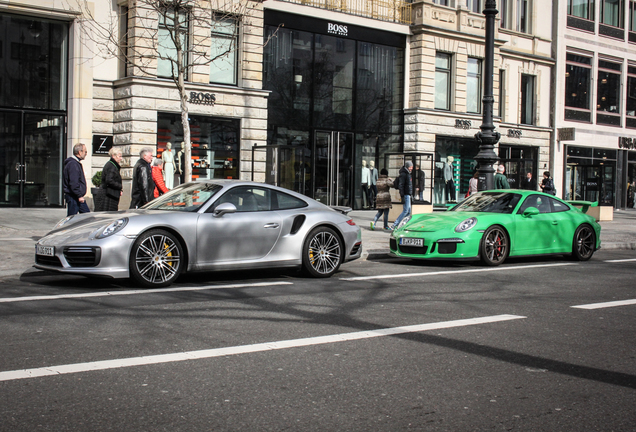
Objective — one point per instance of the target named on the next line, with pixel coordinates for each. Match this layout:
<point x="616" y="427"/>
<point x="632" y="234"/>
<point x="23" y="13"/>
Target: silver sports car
<point x="199" y="226"/>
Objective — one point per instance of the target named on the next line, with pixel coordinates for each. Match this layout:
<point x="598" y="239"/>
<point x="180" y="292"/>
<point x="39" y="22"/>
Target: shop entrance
<point x="31" y="148"/>
<point x="590" y="183"/>
<point x="333" y="167"/>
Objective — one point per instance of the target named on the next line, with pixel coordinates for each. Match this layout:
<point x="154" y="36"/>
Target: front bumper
<point x="438" y="245"/>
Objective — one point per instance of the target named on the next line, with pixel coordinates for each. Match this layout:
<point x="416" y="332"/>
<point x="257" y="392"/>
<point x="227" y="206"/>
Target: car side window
<point x="558" y="206"/>
<point x="247" y="199"/>
<point x="283" y="201"/>
<point x="537" y="201"/>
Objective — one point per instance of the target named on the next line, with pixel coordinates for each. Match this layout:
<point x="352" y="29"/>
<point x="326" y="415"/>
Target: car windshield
<point x="187" y="198"/>
<point x="490" y="202"/>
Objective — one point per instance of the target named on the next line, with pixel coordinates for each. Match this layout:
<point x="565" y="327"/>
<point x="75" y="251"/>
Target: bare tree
<point x="174" y="35"/>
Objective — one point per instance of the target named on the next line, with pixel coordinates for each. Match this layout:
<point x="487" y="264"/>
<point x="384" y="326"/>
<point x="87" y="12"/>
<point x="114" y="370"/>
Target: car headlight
<point x="63" y="222"/>
<point x="403" y="222"/>
<point x="466" y="225"/>
<point x="112" y="228"/>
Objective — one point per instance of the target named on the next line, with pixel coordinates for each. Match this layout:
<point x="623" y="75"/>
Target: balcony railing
<point x="383" y="10"/>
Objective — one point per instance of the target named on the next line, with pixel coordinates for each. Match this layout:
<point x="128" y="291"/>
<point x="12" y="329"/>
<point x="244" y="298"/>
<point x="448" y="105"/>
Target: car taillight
<point x="351" y="222"/>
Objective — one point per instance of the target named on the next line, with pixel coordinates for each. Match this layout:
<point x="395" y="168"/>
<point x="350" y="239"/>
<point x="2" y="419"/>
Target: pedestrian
<point x="473" y="185"/>
<point x="501" y="182"/>
<point x="111" y="180"/>
<point x="157" y="176"/>
<point x="547" y="184"/>
<point x="143" y="187"/>
<point x="405" y="186"/>
<point x="420" y="180"/>
<point x="74" y="181"/>
<point x="528" y="183"/>
<point x="383" y="198"/>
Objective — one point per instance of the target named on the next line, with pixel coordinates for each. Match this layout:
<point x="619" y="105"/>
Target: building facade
<point x="595" y="101"/>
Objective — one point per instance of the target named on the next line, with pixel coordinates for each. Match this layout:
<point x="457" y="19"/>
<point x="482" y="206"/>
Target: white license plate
<point x="45" y="250"/>
<point x="406" y="241"/>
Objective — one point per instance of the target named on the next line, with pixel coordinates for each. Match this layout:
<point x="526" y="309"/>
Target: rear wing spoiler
<point x="584" y="206"/>
<point x="342" y="209"/>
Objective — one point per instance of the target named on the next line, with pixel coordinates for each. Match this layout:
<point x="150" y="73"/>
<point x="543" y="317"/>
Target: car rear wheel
<point x="322" y="252"/>
<point x="495" y="246"/>
<point x="583" y="243"/>
<point x="156" y="259"/>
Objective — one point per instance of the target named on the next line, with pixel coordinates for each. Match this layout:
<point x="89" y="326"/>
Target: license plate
<point x="45" y="250"/>
<point x="406" y="241"/>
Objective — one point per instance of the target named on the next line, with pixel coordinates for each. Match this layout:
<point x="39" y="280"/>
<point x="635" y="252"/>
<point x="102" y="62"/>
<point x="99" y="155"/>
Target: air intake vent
<point x="298" y="222"/>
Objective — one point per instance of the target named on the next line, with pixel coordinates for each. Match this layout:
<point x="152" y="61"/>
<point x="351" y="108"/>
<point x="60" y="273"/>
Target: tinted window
<point x="558" y="206"/>
<point x="286" y="202"/>
<point x="247" y="199"/>
<point x="490" y="202"/>
<point x="540" y="202"/>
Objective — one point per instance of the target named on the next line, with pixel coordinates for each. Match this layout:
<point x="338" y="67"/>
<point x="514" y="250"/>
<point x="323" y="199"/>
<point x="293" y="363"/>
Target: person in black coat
<point x="143" y="187"/>
<point x="405" y="186"/>
<point x="528" y="183"/>
<point x="74" y="181"/>
<point x="111" y="181"/>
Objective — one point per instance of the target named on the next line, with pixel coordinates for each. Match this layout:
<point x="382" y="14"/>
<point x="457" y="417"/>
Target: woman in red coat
<point x="157" y="176"/>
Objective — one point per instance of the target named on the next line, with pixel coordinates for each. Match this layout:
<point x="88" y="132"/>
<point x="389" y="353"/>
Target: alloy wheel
<point x="157" y="259"/>
<point x="324" y="252"/>
<point x="495" y="246"/>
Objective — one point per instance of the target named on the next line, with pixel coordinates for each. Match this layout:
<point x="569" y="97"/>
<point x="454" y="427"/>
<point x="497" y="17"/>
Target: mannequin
<point x="449" y="180"/>
<point x="365" y="178"/>
<point x="180" y="162"/>
<point x="168" y="166"/>
<point x="373" y="180"/>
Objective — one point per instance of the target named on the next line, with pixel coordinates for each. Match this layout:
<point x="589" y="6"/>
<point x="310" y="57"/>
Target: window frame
<point x="478" y="76"/>
<point x="621" y="13"/>
<point x="186" y="42"/>
<point x="515" y="17"/>
<point x="234" y="38"/>
<point x="631" y="75"/>
<point x="474" y="6"/>
<point x="589" y="10"/>
<point x="502" y="94"/>
<point x="599" y="81"/>
<point x="588" y="66"/>
<point x="528" y="96"/>
<point x="448" y="72"/>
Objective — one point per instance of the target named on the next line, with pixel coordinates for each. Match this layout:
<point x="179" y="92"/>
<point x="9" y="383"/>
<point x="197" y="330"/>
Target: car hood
<point x="432" y="222"/>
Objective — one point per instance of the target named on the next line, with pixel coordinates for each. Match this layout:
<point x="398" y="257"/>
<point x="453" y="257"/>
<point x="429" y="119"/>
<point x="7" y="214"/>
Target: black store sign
<point x="102" y="144"/>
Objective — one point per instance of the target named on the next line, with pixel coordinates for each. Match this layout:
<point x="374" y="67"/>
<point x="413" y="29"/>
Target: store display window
<point x="590" y="175"/>
<point x="215" y="146"/>
<point x="454" y="167"/>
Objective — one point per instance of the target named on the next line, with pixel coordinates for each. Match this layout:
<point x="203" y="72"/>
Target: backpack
<point x="396" y="183"/>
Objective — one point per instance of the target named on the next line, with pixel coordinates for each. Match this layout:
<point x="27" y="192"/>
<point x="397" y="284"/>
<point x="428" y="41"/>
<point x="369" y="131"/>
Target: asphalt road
<point x="382" y="346"/>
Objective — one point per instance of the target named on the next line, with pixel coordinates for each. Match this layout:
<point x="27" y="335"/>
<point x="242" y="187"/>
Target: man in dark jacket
<point x="143" y="187"/>
<point x="405" y="186"/>
<point x="74" y="181"/>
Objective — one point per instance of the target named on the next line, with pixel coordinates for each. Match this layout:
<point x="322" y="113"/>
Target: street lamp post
<point x="487" y="138"/>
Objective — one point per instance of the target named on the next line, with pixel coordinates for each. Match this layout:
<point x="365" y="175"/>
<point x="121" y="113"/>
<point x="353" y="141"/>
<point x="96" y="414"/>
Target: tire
<point x="156" y="259"/>
<point x="322" y="252"/>
<point x="583" y="243"/>
<point x="495" y="246"/>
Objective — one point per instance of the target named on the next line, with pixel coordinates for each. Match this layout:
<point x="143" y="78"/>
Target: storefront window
<point x="581" y="9"/>
<point x="443" y="81"/>
<point x="215" y="145"/>
<point x="520" y="161"/>
<point x="224" y="52"/>
<point x="473" y="86"/>
<point x="608" y="93"/>
<point x="454" y="167"/>
<point x="33" y="58"/>
<point x="590" y="175"/>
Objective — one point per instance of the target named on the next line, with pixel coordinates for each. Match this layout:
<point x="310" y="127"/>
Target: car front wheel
<point x="495" y="246"/>
<point x="156" y="259"/>
<point x="583" y="243"/>
<point x="322" y="252"/>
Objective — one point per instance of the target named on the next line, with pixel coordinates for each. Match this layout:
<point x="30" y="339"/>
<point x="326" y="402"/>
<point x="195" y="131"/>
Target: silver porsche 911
<point x="203" y="226"/>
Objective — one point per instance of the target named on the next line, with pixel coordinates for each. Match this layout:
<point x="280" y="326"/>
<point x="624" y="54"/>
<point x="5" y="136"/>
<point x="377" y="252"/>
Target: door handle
<point x="271" y="225"/>
<point x="555" y="222"/>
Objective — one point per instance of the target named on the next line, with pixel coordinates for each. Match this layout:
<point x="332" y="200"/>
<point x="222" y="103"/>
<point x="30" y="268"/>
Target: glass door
<point x="333" y="178"/>
<point x="31" y="159"/>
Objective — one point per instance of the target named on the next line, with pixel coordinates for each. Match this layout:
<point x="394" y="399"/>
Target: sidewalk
<point x="21" y="228"/>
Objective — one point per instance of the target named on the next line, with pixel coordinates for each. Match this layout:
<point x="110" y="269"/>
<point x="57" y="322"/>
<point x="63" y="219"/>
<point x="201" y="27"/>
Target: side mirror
<point x="224" y="208"/>
<point x="531" y="211"/>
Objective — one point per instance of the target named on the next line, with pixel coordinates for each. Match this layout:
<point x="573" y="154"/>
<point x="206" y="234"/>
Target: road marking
<point x="444" y="272"/>
<point x="621" y="260"/>
<point x="606" y="304"/>
<point x="243" y="349"/>
<point x="133" y="292"/>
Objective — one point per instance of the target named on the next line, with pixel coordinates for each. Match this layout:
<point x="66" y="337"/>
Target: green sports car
<point x="496" y="224"/>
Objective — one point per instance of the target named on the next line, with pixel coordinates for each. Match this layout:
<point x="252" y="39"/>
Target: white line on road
<point x="606" y="304"/>
<point x="444" y="272"/>
<point x="243" y="349"/>
<point x="621" y="260"/>
<point x="133" y="292"/>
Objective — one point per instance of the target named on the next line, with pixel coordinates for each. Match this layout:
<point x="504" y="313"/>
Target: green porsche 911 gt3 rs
<point x="494" y="225"/>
